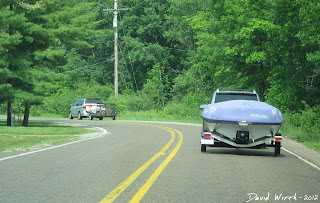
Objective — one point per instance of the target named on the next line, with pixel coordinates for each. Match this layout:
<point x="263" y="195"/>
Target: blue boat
<point x="240" y="123"/>
<point x="235" y="111"/>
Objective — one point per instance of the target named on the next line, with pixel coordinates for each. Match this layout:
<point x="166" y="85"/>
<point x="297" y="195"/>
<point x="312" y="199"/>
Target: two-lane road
<point x="154" y="162"/>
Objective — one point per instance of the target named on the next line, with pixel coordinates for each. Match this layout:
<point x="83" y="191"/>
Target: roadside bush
<point x="304" y="126"/>
<point x="307" y="120"/>
<point x="140" y="102"/>
<point x="187" y="107"/>
<point x="59" y="102"/>
<point x="179" y="110"/>
<point x="131" y="102"/>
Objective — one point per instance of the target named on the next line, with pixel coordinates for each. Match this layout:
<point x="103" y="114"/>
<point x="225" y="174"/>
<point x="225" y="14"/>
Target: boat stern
<point x="242" y="134"/>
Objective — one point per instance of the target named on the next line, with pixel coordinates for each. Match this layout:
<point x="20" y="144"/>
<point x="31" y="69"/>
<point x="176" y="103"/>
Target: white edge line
<point x="302" y="159"/>
<point x="103" y="132"/>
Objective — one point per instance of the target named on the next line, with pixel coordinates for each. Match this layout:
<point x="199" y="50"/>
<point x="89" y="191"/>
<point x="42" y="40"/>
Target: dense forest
<point x="172" y="54"/>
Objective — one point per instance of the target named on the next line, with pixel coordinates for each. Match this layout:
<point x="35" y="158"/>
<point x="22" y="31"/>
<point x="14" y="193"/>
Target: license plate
<point x="209" y="141"/>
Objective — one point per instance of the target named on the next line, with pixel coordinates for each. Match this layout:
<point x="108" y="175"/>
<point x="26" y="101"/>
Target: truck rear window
<point x="221" y="97"/>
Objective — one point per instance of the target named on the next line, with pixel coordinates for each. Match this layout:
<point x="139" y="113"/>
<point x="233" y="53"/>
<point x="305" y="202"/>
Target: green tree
<point x="309" y="34"/>
<point x="36" y="35"/>
<point x="157" y="86"/>
<point x="15" y="57"/>
<point x="264" y="45"/>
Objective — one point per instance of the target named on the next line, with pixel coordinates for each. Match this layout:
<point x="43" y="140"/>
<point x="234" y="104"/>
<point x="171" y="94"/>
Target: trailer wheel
<point x="113" y="118"/>
<point x="277" y="147"/>
<point x="203" y="148"/>
<point x="90" y="116"/>
<point x="79" y="116"/>
<point x="100" y="118"/>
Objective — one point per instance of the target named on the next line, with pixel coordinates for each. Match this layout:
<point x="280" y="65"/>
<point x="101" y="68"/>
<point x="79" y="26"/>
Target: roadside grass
<point x="41" y="128"/>
<point x="51" y="115"/>
<point x="153" y="115"/>
<point x="36" y="135"/>
<point x="19" y="117"/>
<point x="27" y="143"/>
<point x="309" y="139"/>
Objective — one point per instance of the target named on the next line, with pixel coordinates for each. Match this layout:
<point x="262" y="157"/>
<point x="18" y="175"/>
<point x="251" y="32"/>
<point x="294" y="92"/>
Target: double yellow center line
<point x="144" y="189"/>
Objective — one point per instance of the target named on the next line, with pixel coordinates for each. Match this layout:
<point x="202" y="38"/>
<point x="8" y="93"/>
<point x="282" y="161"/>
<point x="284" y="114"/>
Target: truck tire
<point x="70" y="115"/>
<point x="277" y="146"/>
<point x="90" y="116"/>
<point x="203" y="148"/>
<point x="79" y="116"/>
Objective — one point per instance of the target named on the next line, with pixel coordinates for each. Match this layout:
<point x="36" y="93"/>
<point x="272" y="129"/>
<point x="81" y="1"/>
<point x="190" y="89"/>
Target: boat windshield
<point x="221" y="97"/>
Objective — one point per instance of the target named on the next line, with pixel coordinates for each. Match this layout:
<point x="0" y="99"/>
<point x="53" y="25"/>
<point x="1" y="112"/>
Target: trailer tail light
<point x="206" y="135"/>
<point x="277" y="138"/>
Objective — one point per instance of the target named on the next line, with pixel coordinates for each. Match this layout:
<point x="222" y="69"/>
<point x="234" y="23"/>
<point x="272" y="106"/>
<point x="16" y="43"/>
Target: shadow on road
<point x="243" y="152"/>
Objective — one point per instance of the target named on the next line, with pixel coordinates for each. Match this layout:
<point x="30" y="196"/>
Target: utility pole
<point x="115" y="25"/>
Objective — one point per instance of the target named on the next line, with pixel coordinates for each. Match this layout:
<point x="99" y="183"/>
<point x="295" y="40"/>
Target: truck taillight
<point x="86" y="106"/>
<point x="101" y="106"/>
<point x="277" y="138"/>
<point x="207" y="135"/>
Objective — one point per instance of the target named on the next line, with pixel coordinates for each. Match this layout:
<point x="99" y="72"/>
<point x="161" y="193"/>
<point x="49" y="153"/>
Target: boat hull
<point x="231" y="133"/>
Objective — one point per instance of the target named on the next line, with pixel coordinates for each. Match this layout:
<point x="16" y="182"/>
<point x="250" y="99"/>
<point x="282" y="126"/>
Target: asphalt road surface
<point x="154" y="162"/>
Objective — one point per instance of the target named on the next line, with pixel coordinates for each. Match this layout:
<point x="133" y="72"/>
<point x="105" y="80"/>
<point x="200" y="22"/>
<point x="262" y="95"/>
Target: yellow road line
<point x="122" y="186"/>
<point x="144" y="189"/>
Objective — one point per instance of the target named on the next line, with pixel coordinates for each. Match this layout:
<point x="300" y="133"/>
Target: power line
<point x="87" y="56"/>
<point x="134" y="77"/>
<point x="125" y="64"/>
<point x="84" y="67"/>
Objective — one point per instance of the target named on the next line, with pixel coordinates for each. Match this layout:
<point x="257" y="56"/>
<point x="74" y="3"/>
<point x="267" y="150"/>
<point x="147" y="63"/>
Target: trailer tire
<point x="100" y="118"/>
<point x="203" y="148"/>
<point x="113" y="118"/>
<point x="277" y="147"/>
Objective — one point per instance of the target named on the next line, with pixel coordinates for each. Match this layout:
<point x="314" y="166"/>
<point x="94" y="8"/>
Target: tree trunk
<point x="9" y="109"/>
<point x="9" y="113"/>
<point x="26" y="115"/>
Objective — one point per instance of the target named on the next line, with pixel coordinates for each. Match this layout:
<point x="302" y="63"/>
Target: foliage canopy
<point x="172" y="53"/>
